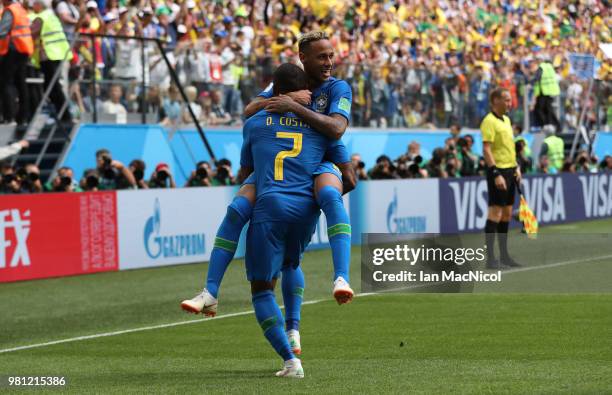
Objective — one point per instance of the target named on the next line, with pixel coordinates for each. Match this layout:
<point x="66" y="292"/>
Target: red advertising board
<point x="52" y="235"/>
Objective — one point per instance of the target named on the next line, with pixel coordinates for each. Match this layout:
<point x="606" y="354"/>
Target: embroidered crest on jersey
<point x="321" y="103"/>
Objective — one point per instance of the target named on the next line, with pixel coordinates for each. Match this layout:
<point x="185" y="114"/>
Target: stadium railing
<point x="85" y="73"/>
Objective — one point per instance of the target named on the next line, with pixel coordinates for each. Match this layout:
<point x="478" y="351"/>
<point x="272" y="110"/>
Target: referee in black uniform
<point x="502" y="176"/>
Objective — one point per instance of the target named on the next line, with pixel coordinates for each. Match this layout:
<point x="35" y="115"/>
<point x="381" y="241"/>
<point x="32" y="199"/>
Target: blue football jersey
<point x="285" y="152"/>
<point x="334" y="96"/>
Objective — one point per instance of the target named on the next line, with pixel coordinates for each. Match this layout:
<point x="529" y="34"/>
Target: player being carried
<point x="284" y="153"/>
<point x="329" y="113"/>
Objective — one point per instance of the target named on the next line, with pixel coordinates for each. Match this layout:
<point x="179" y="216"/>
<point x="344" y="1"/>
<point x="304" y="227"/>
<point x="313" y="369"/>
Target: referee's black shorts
<point x="498" y="197"/>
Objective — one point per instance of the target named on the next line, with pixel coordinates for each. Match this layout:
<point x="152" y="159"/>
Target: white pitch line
<point x="526" y="269"/>
<point x="141" y="329"/>
<point x="172" y="324"/>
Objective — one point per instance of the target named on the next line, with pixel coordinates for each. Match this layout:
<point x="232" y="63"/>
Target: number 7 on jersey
<point x="280" y="157"/>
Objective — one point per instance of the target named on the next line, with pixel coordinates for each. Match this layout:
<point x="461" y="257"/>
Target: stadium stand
<point x="410" y="65"/>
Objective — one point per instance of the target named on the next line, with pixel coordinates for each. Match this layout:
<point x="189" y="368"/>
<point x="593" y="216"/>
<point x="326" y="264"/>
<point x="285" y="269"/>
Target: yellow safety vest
<point x="34" y="59"/>
<point x="555" y="153"/>
<point x="548" y="84"/>
<point x="52" y="37"/>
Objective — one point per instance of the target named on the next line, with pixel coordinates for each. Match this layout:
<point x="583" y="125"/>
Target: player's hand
<point x="303" y="97"/>
<point x="518" y="175"/>
<point x="280" y="104"/>
<point x="24" y="144"/>
<point x="500" y="183"/>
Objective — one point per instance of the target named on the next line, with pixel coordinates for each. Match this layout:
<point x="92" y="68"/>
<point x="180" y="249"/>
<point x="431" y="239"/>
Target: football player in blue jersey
<point x="329" y="114"/>
<point x="284" y="152"/>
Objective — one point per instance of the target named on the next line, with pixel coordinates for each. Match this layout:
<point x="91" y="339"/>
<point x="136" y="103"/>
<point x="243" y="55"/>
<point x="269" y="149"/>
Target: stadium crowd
<point x="410" y="63"/>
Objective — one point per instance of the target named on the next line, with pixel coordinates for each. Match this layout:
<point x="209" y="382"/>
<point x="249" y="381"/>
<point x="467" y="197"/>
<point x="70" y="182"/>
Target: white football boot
<point x="292" y="369"/>
<point x="203" y="303"/>
<point x="294" y="341"/>
<point x="342" y="291"/>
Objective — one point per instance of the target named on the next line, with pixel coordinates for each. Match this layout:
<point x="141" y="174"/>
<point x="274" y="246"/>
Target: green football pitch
<point x="124" y="332"/>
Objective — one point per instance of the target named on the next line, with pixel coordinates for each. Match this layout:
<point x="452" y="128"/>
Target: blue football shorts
<point x="270" y="246"/>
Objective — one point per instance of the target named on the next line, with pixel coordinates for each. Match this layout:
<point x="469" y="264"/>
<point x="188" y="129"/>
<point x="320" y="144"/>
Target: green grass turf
<point x="431" y="343"/>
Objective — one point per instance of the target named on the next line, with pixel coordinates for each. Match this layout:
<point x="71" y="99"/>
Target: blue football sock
<point x="338" y="229"/>
<point x="292" y="284"/>
<point x="270" y="319"/>
<point x="238" y="214"/>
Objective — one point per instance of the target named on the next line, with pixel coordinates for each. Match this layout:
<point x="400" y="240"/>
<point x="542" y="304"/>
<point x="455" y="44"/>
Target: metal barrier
<point x="76" y="46"/>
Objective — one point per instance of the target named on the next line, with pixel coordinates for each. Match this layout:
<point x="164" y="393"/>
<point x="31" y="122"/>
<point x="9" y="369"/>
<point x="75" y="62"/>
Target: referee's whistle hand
<point x="500" y="183"/>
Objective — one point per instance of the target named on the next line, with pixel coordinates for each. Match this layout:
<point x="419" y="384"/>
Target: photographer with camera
<point x="162" y="177"/>
<point x="137" y="167"/>
<point x="384" y="169"/>
<point x="408" y="167"/>
<point x="9" y="183"/>
<point x="523" y="161"/>
<point x="467" y="158"/>
<point x="359" y="167"/>
<point x="544" y="166"/>
<point x="223" y="175"/>
<point x="583" y="163"/>
<point x="436" y="166"/>
<point x="452" y="167"/>
<point x="90" y="181"/>
<point x="451" y="162"/>
<point x="200" y="177"/>
<point x="63" y="182"/>
<point x="606" y="164"/>
<point x="29" y="179"/>
<point x="112" y="173"/>
<point x="414" y="150"/>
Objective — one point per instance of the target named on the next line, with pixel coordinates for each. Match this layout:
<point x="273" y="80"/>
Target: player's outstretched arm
<point x="332" y="126"/>
<point x="259" y="103"/>
<point x="255" y="106"/>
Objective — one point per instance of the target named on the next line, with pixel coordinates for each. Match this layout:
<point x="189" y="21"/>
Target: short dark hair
<point x="289" y="78"/>
<point x="497" y="93"/>
<point x="138" y="164"/>
<point x="311" y="37"/>
<point x="223" y="162"/>
<point x="101" y="152"/>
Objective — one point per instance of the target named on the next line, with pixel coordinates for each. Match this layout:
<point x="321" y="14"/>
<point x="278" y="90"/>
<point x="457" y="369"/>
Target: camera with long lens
<point x="162" y="176"/>
<point x="222" y="174"/>
<point x="414" y="167"/>
<point x="65" y="181"/>
<point x="27" y="179"/>
<point x="92" y="181"/>
<point x="201" y="173"/>
<point x="138" y="174"/>
<point x="108" y="171"/>
<point x="8" y="178"/>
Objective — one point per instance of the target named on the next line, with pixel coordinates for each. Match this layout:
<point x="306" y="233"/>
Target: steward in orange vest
<point x="19" y="35"/>
<point x="16" y="47"/>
